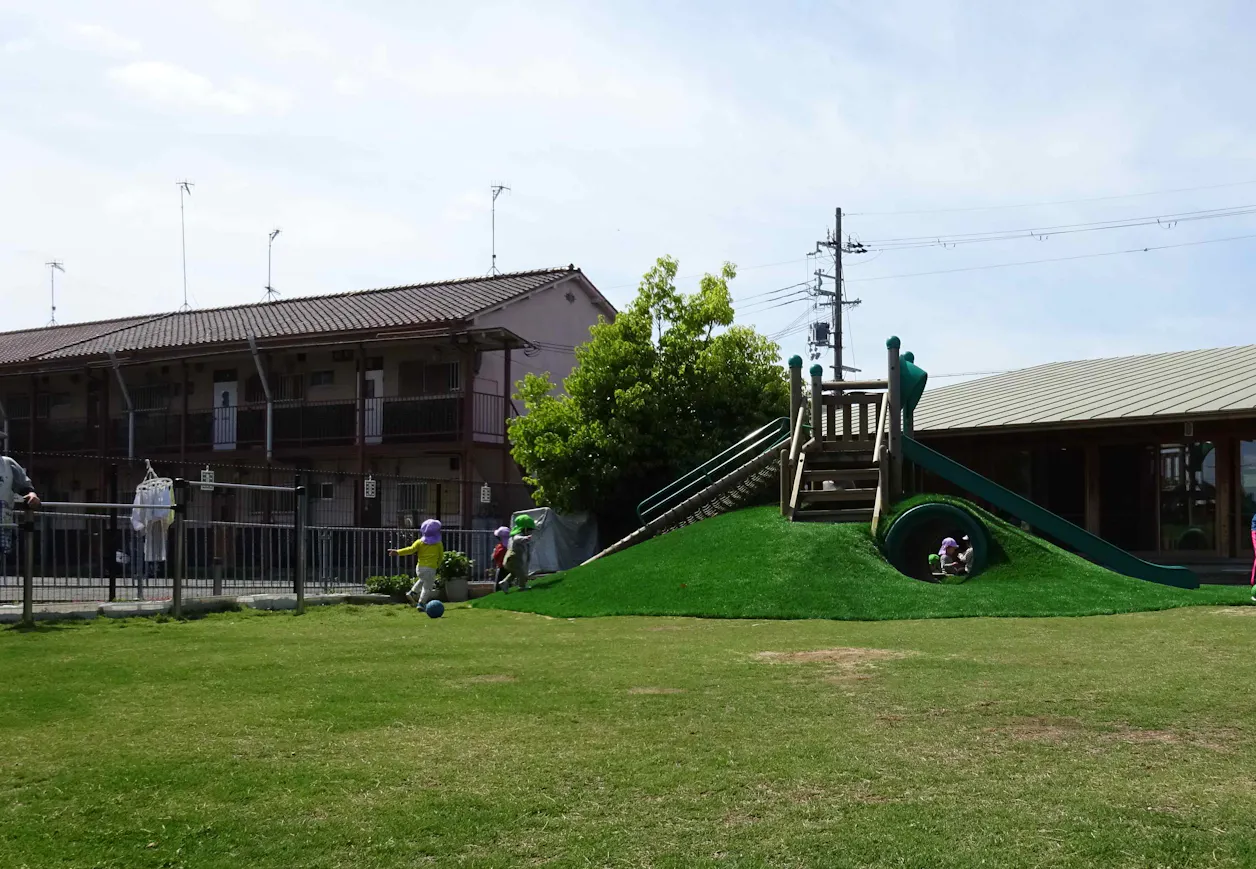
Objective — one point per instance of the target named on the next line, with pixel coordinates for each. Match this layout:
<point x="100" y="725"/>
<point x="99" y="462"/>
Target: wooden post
<point x="817" y="405"/>
<point x="786" y="479"/>
<point x="358" y="503"/>
<point x="1093" y="489"/>
<point x="795" y="388"/>
<point x="507" y="394"/>
<point x="894" y="396"/>
<point x="467" y="378"/>
<point x="1227" y="472"/>
<point x="183" y="413"/>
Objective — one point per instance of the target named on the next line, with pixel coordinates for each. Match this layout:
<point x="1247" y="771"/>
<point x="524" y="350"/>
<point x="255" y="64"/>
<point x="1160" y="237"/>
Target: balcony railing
<point x="298" y="424"/>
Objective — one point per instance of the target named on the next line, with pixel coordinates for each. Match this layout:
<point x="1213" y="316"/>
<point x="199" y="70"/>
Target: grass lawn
<point x="374" y="737"/>
<point x="754" y="564"/>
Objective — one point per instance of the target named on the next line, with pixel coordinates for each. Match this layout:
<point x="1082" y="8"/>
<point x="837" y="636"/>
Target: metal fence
<point x="93" y="552"/>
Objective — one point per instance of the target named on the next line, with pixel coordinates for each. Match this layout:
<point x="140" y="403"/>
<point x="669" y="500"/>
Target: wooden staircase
<point x="843" y="472"/>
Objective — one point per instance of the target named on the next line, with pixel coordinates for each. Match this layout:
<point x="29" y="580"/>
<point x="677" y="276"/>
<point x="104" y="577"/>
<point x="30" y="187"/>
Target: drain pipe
<point x="130" y="408"/>
<point x="270" y="402"/>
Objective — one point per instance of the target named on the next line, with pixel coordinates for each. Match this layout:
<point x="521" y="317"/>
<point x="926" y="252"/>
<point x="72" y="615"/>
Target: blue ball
<point x="435" y="609"/>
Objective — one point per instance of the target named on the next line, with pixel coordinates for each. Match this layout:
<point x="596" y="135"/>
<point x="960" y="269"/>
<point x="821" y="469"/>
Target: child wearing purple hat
<point x="429" y="550"/>
<point x="949" y="555"/>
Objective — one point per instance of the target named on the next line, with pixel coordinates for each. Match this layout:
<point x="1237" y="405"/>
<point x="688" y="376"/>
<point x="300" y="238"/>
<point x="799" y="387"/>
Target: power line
<point x="1055" y="202"/>
<point x="1057" y="259"/>
<point x="1167" y="221"/>
<point x="740" y="269"/>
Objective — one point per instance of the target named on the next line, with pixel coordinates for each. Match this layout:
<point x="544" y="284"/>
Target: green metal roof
<point x="1220" y="382"/>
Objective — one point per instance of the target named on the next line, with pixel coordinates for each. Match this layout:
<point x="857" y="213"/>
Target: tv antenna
<point x="53" y="267"/>
<point x="497" y="191"/>
<point x="271" y="292"/>
<point x="184" y="187"/>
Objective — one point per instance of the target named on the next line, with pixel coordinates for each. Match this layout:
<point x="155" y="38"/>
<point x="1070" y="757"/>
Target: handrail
<point x="766" y="437"/>
<point x="796" y="442"/>
<point x="854" y="385"/>
<point x="882" y="424"/>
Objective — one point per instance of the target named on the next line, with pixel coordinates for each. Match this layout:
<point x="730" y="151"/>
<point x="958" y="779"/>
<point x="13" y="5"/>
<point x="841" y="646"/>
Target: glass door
<point x="1188" y="497"/>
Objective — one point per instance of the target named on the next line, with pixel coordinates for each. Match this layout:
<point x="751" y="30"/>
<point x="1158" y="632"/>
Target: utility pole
<point x="497" y="189"/>
<point x="837" y="302"/>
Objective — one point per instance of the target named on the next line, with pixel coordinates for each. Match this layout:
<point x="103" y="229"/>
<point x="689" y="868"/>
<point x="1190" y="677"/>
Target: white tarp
<point x="560" y="542"/>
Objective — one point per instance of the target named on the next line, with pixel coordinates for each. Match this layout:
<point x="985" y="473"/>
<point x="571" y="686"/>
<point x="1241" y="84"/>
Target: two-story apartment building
<point x="411" y="384"/>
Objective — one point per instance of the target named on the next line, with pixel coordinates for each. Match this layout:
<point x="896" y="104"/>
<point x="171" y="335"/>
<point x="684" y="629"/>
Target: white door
<point x="225" y="401"/>
<point x="374" y="385"/>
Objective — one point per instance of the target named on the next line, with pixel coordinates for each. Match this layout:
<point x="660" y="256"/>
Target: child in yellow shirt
<point x="429" y="550"/>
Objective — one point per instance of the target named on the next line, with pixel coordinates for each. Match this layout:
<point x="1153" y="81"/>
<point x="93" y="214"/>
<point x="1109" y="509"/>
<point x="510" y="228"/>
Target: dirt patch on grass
<point x="658" y="628"/>
<point x="648" y="690"/>
<point x="1236" y="611"/>
<point x="492" y="679"/>
<point x="1046" y="729"/>
<point x="843" y="657"/>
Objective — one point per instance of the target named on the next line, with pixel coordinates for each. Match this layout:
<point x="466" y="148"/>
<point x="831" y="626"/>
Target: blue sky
<point x="370" y="132"/>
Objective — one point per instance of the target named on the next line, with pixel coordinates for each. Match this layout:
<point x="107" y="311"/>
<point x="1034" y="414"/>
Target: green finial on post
<point x="892" y="343"/>
<point x="817" y="370"/>
<point x="909" y="356"/>
<point x="795" y="362"/>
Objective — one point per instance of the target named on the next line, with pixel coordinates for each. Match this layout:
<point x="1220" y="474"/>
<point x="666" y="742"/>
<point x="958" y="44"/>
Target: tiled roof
<point x="29" y="343"/>
<point x="1163" y="385"/>
<point x="386" y="308"/>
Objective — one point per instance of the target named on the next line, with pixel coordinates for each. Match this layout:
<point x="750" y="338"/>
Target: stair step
<point x="813" y="495"/>
<point x="852" y="475"/>
<point x="860" y="515"/>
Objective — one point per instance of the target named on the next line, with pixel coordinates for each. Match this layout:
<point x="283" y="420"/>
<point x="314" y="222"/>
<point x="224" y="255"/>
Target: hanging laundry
<point x="153" y="512"/>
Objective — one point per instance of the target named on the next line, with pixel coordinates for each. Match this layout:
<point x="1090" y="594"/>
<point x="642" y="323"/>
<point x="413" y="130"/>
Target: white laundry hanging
<point x="152" y="512"/>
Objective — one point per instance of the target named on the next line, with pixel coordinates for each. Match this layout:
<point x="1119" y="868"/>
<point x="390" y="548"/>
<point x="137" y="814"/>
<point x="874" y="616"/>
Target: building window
<point x="322" y="491"/>
<point x="283" y="387"/>
<point x="428" y="378"/>
<point x="322" y="378"/>
<point x="412" y="504"/>
<point x="152" y="396"/>
<point x="1188" y="497"/>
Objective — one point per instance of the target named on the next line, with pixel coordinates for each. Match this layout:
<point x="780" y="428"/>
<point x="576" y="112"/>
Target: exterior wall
<point x="1128" y="480"/>
<point x="549" y="317"/>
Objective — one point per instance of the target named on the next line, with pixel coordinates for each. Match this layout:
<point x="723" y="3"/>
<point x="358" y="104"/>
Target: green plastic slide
<point x="1100" y="551"/>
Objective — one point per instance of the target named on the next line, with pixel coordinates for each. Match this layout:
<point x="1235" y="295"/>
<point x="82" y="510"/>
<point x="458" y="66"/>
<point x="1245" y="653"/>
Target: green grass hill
<point x="754" y="564"/>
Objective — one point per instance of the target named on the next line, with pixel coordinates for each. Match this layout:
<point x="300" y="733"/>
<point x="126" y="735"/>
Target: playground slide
<point x="1100" y="551"/>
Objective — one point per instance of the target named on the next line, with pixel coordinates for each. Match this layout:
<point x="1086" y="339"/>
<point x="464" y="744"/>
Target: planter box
<point x="456" y="590"/>
<point x="480" y="589"/>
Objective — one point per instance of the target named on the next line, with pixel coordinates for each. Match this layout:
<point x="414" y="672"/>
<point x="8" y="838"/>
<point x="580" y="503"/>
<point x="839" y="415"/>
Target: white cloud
<point x="103" y="40"/>
<point x="167" y="83"/>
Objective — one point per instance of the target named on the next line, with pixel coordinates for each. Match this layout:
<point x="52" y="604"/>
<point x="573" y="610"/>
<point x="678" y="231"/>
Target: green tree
<point x="668" y="384"/>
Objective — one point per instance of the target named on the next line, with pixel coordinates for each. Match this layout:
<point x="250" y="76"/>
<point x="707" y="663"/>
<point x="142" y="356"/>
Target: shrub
<point x="390" y="585"/>
<point x="454" y="565"/>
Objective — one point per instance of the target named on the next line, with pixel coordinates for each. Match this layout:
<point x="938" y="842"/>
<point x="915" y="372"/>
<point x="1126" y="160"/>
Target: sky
<point x="370" y="133"/>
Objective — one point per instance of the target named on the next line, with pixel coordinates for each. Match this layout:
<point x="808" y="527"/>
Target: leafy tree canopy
<point x="668" y="384"/>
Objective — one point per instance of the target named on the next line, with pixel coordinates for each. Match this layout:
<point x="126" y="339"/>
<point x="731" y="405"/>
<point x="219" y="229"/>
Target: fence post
<point x="112" y="547"/>
<point x="817" y="406"/>
<point x="28" y="566"/>
<point x="180" y="547"/>
<point x="894" y="396"/>
<point x="795" y="390"/>
<point x="298" y="530"/>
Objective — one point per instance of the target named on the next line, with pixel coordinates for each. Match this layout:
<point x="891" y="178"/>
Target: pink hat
<point x="948" y="543"/>
<point x="502" y="534"/>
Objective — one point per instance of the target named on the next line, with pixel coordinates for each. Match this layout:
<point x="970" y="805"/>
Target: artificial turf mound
<point x="754" y="564"/>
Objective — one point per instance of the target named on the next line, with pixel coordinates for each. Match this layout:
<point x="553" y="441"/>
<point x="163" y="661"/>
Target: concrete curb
<point x="12" y="614"/>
